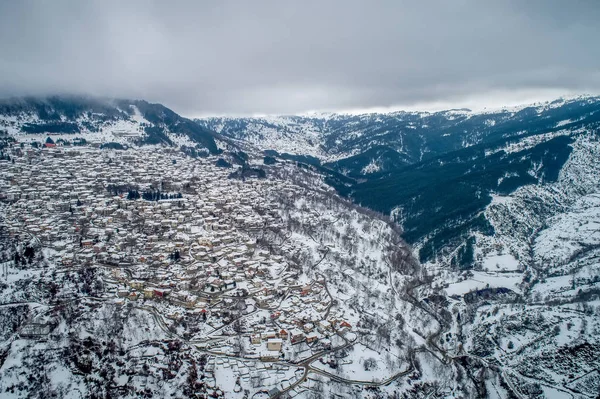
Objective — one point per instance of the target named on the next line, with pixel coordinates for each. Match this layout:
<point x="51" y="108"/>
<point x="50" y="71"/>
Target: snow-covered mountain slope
<point x="548" y="225"/>
<point x="97" y="120"/>
<point x="545" y="235"/>
<point x="415" y="135"/>
<point x="540" y="222"/>
<point x="285" y="134"/>
<point x="528" y="301"/>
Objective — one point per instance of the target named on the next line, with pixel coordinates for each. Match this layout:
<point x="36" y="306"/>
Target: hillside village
<point x="200" y="257"/>
<point x="197" y="253"/>
<point x="157" y="271"/>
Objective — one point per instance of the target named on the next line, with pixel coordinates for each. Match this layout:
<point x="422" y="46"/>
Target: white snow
<point x="481" y="280"/>
<point x="504" y="262"/>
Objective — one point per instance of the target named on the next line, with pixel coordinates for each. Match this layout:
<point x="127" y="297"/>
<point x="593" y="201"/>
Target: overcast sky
<point x="248" y="57"/>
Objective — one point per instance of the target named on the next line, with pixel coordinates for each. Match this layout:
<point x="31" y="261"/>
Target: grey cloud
<point x="285" y="57"/>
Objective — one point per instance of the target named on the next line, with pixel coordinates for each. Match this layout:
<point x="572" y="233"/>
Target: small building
<point x="305" y="290"/>
<point x="255" y="339"/>
<point x="161" y="293"/>
<point x="268" y="335"/>
<point x="274" y="344"/>
<point x="323" y="326"/>
<point x="136" y="284"/>
<point x="345" y="324"/>
<point x="263" y="300"/>
<point x="269" y="356"/>
<point x="296" y="336"/>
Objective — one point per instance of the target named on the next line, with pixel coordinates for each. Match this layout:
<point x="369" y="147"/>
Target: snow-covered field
<point x="481" y="280"/>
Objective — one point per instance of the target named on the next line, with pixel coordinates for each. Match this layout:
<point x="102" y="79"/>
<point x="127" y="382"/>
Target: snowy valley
<point x="401" y="255"/>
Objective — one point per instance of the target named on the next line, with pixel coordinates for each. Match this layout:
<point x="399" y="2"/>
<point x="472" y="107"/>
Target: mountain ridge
<point x="138" y="121"/>
<point x="334" y="136"/>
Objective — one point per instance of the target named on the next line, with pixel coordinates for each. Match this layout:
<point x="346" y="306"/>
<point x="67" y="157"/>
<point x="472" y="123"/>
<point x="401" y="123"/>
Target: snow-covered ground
<point x="481" y="280"/>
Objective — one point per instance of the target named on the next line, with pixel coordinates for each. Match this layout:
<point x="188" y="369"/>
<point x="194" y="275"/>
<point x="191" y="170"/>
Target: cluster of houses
<point x="193" y="251"/>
